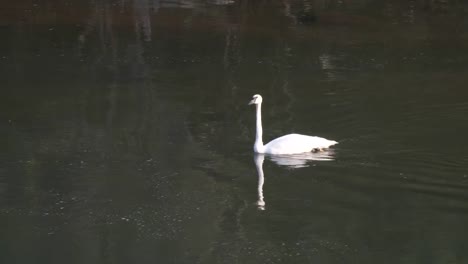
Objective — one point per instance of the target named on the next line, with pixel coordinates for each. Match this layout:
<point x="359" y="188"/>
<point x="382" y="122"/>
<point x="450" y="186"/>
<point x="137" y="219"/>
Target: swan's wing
<point x="296" y="143"/>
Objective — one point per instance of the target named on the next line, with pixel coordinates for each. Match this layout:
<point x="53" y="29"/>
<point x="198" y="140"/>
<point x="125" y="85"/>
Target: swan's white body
<point x="288" y="144"/>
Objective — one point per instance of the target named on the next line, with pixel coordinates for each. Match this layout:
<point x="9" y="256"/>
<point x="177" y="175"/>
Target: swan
<point x="288" y="144"/>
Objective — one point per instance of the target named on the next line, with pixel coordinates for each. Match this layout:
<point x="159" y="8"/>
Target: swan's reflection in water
<point x="258" y="159"/>
<point x="292" y="161"/>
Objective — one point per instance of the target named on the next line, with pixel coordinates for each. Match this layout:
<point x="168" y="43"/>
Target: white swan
<point x="288" y="144"/>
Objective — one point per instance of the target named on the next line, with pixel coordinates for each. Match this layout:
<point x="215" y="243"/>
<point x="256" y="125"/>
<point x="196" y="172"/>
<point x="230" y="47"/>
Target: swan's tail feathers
<point x="326" y="145"/>
<point x="330" y="143"/>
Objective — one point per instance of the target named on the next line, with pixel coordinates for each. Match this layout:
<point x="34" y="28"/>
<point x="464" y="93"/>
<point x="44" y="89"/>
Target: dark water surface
<point x="126" y="135"/>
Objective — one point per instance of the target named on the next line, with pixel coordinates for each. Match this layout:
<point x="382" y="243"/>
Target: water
<point x="127" y="137"/>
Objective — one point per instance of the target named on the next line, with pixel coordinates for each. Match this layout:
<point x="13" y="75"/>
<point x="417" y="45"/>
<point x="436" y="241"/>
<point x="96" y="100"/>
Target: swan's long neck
<point x="258" y="146"/>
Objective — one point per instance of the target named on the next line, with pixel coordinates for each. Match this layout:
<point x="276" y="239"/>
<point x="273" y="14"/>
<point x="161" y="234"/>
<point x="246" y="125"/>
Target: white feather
<point x="296" y="143"/>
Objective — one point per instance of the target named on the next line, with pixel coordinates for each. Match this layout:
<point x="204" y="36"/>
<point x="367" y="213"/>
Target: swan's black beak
<point x="252" y="102"/>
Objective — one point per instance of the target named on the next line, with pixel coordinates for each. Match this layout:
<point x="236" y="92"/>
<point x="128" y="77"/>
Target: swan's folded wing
<point x="296" y="143"/>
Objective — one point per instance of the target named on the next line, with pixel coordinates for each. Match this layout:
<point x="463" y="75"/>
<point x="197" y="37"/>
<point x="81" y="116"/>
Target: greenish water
<point x="127" y="137"/>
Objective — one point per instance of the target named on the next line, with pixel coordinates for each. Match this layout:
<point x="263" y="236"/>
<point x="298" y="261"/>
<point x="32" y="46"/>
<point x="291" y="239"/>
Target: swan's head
<point x="256" y="99"/>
